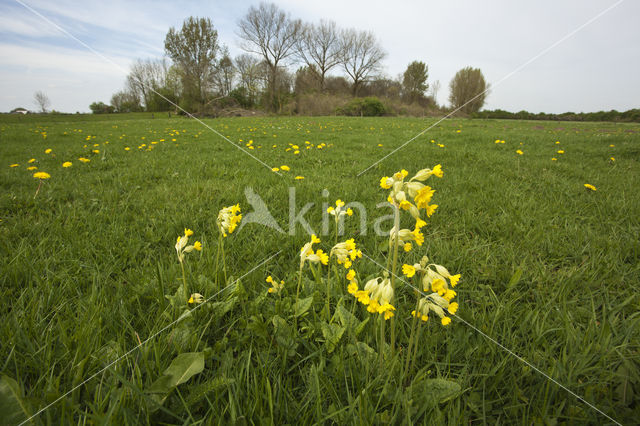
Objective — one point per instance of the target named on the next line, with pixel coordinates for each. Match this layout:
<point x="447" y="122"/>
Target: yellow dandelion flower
<point x="14" y="165"/>
<point x="32" y="168"/>
<point x="299" y="177"/>
<point x="519" y="152"/>
<point x="41" y="175"/>
<point x="67" y="164"/>
<point x="589" y="186"/>
<point x="32" y="160"/>
<point x="560" y="151"/>
<point x="285" y="168"/>
<point x="48" y="151"/>
<point x="275" y="169"/>
<point x="84" y="160"/>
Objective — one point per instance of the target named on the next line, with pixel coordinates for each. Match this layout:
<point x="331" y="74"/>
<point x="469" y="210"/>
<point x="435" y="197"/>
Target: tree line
<point x="336" y="71"/>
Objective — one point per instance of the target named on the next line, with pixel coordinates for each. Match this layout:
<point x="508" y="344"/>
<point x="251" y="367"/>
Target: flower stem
<point x="394" y="267"/>
<point x="295" y="318"/>
<point x="184" y="280"/>
<point x="224" y="262"/>
<point x="413" y="329"/>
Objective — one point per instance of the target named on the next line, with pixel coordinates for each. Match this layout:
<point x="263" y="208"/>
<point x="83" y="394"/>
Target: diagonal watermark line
<point x="154" y="335"/>
<point x="500" y="345"/>
<point x="507" y="76"/>
<point x="115" y="64"/>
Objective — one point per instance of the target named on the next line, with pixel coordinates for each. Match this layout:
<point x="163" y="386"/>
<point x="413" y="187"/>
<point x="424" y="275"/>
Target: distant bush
<point x="365" y="107"/>
<point x="101" y="108"/>
<point x="317" y="104"/>
<point x="632" y="115"/>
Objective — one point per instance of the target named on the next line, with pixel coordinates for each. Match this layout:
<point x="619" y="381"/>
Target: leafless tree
<point x="360" y="55"/>
<point x="270" y="33"/>
<point x="249" y="72"/>
<point x="41" y="100"/>
<point x="435" y="88"/>
<point x="146" y="76"/>
<point x="224" y="73"/>
<point x="319" y="47"/>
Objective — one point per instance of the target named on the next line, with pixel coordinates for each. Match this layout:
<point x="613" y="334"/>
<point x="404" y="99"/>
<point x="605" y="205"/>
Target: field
<point x="550" y="270"/>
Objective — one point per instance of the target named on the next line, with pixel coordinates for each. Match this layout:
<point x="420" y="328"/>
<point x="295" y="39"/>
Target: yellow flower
<point x="386" y="182"/>
<point x="419" y="237"/>
<point x="299" y="177"/>
<point x="453" y="308"/>
<point x="446" y="320"/>
<point x="430" y="209"/>
<point x="47" y="151"/>
<point x="67" y="164"/>
<point x="437" y="171"/>
<point x="188" y="232"/>
<point x="126" y="148"/>
<point x="197" y="245"/>
<point x="351" y="274"/>
<point x="41" y="175"/>
<point x="84" y="160"/>
<point x="96" y="151"/>
<point x="32" y="168"/>
<point x="14" y="165"/>
<point x="196" y="298"/>
<point x="588" y="186"/>
<point x="519" y="152"/>
<point x="314" y="239"/>
<point x="560" y="151"/>
<point x="275" y="169"/>
<point x="407" y="247"/>
<point x="554" y="159"/>
<point x="32" y="160"/>
<point x="454" y="279"/>
<point x="352" y="288"/>
<point x="612" y="159"/>
<point x="423" y="197"/>
<point x="285" y="168"/>
<point x="408" y="270"/>
<point x="228" y="219"/>
<point x="449" y="294"/>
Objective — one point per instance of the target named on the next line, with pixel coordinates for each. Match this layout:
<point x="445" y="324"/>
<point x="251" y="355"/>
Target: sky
<point x="544" y="56"/>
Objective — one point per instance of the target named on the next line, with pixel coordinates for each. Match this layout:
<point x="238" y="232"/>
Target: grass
<point x="549" y="269"/>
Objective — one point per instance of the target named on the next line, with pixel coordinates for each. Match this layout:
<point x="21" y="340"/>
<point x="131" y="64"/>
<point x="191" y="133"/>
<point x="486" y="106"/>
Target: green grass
<point x="86" y="264"/>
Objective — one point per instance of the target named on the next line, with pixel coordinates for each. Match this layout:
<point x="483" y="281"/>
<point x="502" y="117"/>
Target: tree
<point x="101" y="108"/>
<point x="435" y="88"/>
<point x="319" y="47"/>
<point x="307" y="80"/>
<point x="468" y="90"/>
<point x="125" y="101"/>
<point x="414" y="81"/>
<point x="249" y="70"/>
<point x="41" y="100"/>
<point x="193" y="49"/>
<point x="360" y="56"/>
<point x="224" y="74"/>
<point x="271" y="33"/>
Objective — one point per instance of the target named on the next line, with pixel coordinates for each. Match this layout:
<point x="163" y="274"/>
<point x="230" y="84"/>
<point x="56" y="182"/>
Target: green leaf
<point x="515" y="278"/>
<point x="432" y="392"/>
<point x="182" y="368"/>
<point x="348" y="320"/>
<point x="12" y="408"/>
<point x="302" y="306"/>
<point x="332" y="334"/>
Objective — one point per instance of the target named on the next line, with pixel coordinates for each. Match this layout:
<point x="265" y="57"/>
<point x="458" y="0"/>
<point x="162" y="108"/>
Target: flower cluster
<point x="275" y="286"/>
<point x="438" y="280"/>
<point x="346" y="252"/>
<point x="376" y="296"/>
<point x="339" y="210"/>
<point x="181" y="245"/>
<point x="400" y="195"/>
<point x="228" y="219"/>
<point x="307" y="253"/>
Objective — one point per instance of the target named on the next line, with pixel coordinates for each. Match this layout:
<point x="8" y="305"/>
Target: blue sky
<point x="593" y="70"/>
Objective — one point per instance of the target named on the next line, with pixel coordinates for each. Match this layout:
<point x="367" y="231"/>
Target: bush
<point x="364" y="107"/>
<point x="101" y="108"/>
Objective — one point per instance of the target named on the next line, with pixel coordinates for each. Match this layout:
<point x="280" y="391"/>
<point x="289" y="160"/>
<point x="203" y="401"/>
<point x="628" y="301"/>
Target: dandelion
<point x="32" y="168"/>
<point x="299" y="177"/>
<point x="519" y="152"/>
<point x="275" y="169"/>
<point x="590" y="187"/>
<point x="31" y="161"/>
<point x="48" y="151"/>
<point x="67" y="164"/>
<point x="554" y="159"/>
<point x="560" y="151"/>
<point x="41" y="175"/>
<point x="96" y="151"/>
<point x="84" y="160"/>
<point x="612" y="159"/>
<point x="14" y="165"/>
<point x="285" y="168"/>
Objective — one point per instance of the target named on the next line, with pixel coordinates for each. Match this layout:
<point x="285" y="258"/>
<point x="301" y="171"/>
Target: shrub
<point x="365" y="107"/>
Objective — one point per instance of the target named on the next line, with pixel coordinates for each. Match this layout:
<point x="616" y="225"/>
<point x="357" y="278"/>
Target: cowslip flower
<point x="181" y="245"/>
<point x="339" y="210"/>
<point x="275" y="286"/>
<point x="377" y="296"/>
<point x="228" y="219"/>
<point x="307" y="253"/>
<point x="196" y="298"/>
<point x="346" y="252"/>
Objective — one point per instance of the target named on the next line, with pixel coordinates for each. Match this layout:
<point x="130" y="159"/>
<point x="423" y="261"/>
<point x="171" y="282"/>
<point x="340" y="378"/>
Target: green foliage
<point x="365" y="107"/>
<point x="467" y="90"/>
<point x="414" y="81"/>
<point x="12" y="405"/>
<point x="182" y="368"/>
<point x="632" y="115"/>
<point x="101" y="108"/>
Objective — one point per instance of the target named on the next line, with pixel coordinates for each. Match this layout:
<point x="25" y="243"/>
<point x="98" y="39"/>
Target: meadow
<point x="96" y="326"/>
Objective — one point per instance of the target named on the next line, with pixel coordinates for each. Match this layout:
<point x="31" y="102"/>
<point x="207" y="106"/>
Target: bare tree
<point x="41" y="100"/>
<point x="360" y="55"/>
<point x="146" y="76"/>
<point x="435" y="88"/>
<point x="319" y="47"/>
<point x="249" y="72"/>
<point x="271" y="33"/>
<point x="224" y="73"/>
